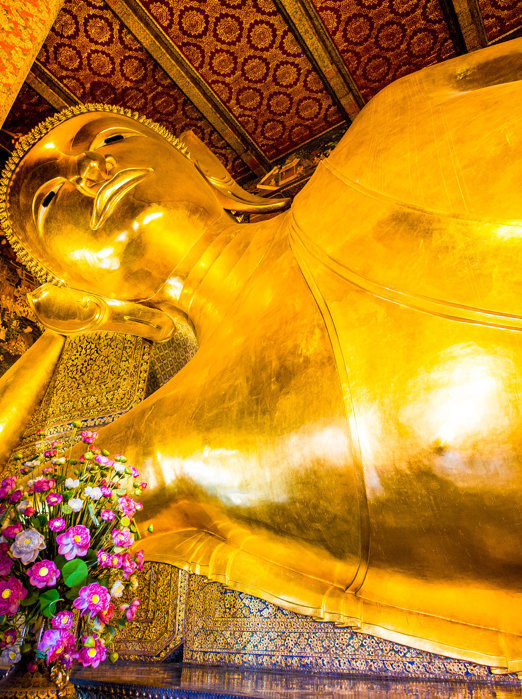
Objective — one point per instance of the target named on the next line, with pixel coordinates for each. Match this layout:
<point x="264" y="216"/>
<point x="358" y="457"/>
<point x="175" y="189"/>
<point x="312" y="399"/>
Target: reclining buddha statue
<point x="347" y="440"/>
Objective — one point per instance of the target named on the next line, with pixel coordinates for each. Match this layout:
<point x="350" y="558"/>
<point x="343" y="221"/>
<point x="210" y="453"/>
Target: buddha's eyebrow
<point x="112" y="134"/>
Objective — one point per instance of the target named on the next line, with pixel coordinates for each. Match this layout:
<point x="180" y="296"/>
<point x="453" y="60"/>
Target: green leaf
<point x="30" y="599"/>
<point x="74" y="572"/>
<point x="91" y="555"/>
<point x="42" y="520"/>
<point x="73" y="592"/>
<point x="93" y="516"/>
<point x="60" y="561"/>
<point x="48" y="600"/>
<point x="121" y="623"/>
<point x="121" y="491"/>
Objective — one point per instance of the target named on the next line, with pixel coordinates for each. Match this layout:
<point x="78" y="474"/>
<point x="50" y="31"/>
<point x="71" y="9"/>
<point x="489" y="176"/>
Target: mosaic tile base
<point x="229" y="628"/>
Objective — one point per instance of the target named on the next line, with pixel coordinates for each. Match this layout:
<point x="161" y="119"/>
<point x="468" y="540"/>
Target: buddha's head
<point x="103" y="200"/>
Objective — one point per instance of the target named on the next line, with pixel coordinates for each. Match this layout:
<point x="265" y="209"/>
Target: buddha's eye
<point x="113" y="139"/>
<point x="43" y="199"/>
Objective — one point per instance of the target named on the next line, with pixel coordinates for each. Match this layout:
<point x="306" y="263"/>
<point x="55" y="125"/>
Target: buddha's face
<point x="109" y="205"/>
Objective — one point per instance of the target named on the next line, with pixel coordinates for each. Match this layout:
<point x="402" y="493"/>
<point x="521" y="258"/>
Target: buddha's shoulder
<point x="425" y="189"/>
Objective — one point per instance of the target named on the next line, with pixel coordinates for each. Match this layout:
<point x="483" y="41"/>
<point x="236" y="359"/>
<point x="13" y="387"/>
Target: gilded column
<point x="24" y="25"/>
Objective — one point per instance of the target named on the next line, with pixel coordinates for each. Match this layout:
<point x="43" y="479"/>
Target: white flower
<point x="117" y="589"/>
<point x="119" y="468"/>
<point x="23" y="505"/>
<point x="93" y="493"/>
<point x="75" y="504"/>
<point x="10" y="655"/>
<point x="72" y="483"/>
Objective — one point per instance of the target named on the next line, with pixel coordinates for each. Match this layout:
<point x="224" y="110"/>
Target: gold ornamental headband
<point x="25" y="143"/>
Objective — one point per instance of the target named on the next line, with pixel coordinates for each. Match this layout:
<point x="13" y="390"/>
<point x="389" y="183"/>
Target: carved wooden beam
<point x="50" y="88"/>
<point x="469" y="18"/>
<point x="174" y="63"/>
<point x="305" y="23"/>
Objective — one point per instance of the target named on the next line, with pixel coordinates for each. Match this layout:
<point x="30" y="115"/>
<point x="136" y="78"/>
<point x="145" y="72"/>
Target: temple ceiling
<point x="254" y="79"/>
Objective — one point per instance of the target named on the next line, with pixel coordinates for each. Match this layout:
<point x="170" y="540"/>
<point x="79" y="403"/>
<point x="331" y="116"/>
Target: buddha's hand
<point x="71" y="311"/>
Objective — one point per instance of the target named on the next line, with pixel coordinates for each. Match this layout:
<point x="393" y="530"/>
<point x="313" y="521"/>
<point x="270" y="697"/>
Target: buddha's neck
<point x="214" y="272"/>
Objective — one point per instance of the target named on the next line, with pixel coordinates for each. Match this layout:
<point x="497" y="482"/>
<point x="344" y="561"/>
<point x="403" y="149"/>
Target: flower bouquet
<point x="66" y="529"/>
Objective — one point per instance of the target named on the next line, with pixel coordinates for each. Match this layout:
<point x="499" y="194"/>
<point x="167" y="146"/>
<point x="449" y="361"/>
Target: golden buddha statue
<point x="347" y="440"/>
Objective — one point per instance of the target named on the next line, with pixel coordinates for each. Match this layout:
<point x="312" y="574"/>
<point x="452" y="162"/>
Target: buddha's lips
<point x="113" y="191"/>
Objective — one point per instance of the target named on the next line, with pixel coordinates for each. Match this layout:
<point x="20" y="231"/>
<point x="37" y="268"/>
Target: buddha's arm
<point x="23" y="386"/>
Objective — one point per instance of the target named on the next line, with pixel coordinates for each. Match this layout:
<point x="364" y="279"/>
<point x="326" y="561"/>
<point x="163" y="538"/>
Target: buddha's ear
<point x="230" y="194"/>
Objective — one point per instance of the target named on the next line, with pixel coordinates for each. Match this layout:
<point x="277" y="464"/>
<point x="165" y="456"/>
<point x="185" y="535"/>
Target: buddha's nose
<point x="88" y="170"/>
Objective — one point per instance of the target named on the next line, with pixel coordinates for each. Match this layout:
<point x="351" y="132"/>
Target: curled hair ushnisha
<point x="25" y="143"/>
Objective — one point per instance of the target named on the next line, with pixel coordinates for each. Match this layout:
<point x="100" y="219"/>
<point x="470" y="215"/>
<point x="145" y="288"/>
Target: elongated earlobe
<point x="231" y="196"/>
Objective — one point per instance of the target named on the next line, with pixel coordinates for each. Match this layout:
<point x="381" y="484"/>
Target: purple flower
<point x="139" y="558"/>
<point x="58" y="645"/>
<point x="27" y="545"/>
<point x="43" y="574"/>
<point x="16" y="496"/>
<point x="107" y="515"/>
<point x="93" y="655"/>
<point x="89" y="437"/>
<point x="128" y="565"/>
<point x="9" y="638"/>
<point x="130" y="609"/>
<point x="12" y="530"/>
<point x="6" y="563"/>
<point x="63" y="621"/>
<point x="42" y="485"/>
<point x="122" y="538"/>
<point x="74" y="542"/>
<point x="57" y="524"/>
<point x="127" y="505"/>
<point x="93" y="598"/>
<point x="54" y="499"/>
<point x="12" y="592"/>
<point x="104" y="558"/>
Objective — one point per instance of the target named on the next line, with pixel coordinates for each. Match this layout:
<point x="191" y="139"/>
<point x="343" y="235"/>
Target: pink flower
<point x="89" y="437"/>
<point x="43" y="574"/>
<point x="49" y="453"/>
<point x="54" y="499"/>
<point x="16" y="496"/>
<point x="104" y="558"/>
<point x="57" y="445"/>
<point x="102" y="460"/>
<point x="116" y="560"/>
<point x="107" y="515"/>
<point x="92" y="655"/>
<point x="57" y="524"/>
<point x="12" y="530"/>
<point x="143" y="485"/>
<point x="58" y="645"/>
<point x="12" y="592"/>
<point x="130" y="609"/>
<point x="6" y="563"/>
<point x="139" y="506"/>
<point x="27" y="545"/>
<point x="127" y="505"/>
<point x="74" y="542"/>
<point x="139" y="558"/>
<point x="128" y="565"/>
<point x="29" y="511"/>
<point x="135" y="472"/>
<point x="63" y="621"/>
<point x="93" y="598"/>
<point x="48" y="469"/>
<point x="122" y="538"/>
<point x="42" y="485"/>
<point x="106" y="492"/>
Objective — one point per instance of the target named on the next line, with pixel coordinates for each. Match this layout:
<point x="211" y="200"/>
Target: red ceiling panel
<point x="244" y="50"/>
<point x="98" y="60"/>
<point x="500" y="16"/>
<point x="381" y="41"/>
<point x="27" y="111"/>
